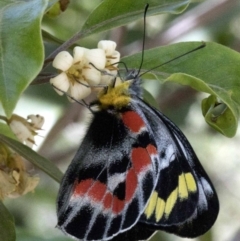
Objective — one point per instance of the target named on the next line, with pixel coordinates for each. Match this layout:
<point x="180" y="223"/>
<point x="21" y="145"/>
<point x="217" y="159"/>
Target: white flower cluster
<point x="26" y="129"/>
<point x="84" y="70"/>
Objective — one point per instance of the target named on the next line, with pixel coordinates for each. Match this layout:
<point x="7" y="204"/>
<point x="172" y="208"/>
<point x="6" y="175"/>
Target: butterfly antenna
<point x="81" y="102"/>
<point x="144" y="37"/>
<point x="178" y="57"/>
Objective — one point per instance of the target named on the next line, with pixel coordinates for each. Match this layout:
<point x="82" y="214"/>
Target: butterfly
<point x="134" y="173"/>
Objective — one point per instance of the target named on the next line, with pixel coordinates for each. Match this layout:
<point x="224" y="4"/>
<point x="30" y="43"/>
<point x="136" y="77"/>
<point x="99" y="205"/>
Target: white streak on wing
<point x="169" y="157"/>
<point x="205" y="191"/>
<point x="182" y="148"/>
<point x="207" y="188"/>
<point x="202" y="202"/>
<point x="114" y="180"/>
<point x="76" y="204"/>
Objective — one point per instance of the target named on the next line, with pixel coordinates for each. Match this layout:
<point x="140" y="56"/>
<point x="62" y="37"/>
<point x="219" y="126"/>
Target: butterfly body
<point x="134" y="173"/>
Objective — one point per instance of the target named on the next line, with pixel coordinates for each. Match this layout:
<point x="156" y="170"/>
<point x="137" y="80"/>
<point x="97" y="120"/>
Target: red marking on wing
<point x="118" y="205"/>
<point x="152" y="150"/>
<point x="133" y="121"/>
<point x="97" y="191"/>
<point x="140" y="159"/>
<point x="82" y="187"/>
<point x="131" y="184"/>
<point x="108" y="199"/>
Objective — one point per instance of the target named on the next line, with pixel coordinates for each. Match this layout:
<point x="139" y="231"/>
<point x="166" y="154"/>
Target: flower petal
<point x="7" y="184"/>
<point x="108" y="46"/>
<point x="78" y="55"/>
<point x="96" y="57"/>
<point x="91" y="75"/>
<point x="63" y="61"/>
<point x="61" y="82"/>
<point x="118" y="81"/>
<point x="30" y="183"/>
<point x="20" y="130"/>
<point x="108" y="78"/>
<point x="115" y="58"/>
<point x="37" y="121"/>
<point x="79" y="91"/>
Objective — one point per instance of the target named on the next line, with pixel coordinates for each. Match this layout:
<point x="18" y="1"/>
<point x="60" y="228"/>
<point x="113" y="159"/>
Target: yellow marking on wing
<point x="171" y="201"/>
<point x="182" y="187"/>
<point x="186" y="184"/>
<point x="191" y="184"/>
<point x="160" y="207"/>
<point x="151" y="204"/>
<point x="117" y="96"/>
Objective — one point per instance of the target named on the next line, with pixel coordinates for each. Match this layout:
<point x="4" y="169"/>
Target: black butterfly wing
<point x="136" y="233"/>
<point x="184" y="201"/>
<point x="109" y="181"/>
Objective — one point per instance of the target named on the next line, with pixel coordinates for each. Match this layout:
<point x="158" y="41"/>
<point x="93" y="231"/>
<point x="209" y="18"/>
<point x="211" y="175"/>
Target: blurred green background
<point x="212" y="20"/>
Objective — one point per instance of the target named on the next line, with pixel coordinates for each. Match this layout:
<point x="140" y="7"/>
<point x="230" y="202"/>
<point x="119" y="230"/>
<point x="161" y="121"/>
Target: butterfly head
<point x="120" y="95"/>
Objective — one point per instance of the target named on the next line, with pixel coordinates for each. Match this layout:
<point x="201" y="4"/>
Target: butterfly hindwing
<point x="184" y="201"/>
<point x="111" y="178"/>
<point x="207" y="207"/>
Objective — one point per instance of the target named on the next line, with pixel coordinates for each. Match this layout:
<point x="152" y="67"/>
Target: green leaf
<point x="149" y="98"/>
<point x="219" y="116"/>
<point x="6" y="130"/>
<point x="7" y="226"/>
<point x="21" y="48"/>
<point x="213" y="69"/>
<point x="112" y="13"/>
<point x="57" y="8"/>
<point x="54" y="11"/>
<point x="33" y="157"/>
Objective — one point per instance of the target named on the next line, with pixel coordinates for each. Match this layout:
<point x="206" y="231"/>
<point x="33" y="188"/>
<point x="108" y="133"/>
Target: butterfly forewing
<point x="111" y="178"/>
